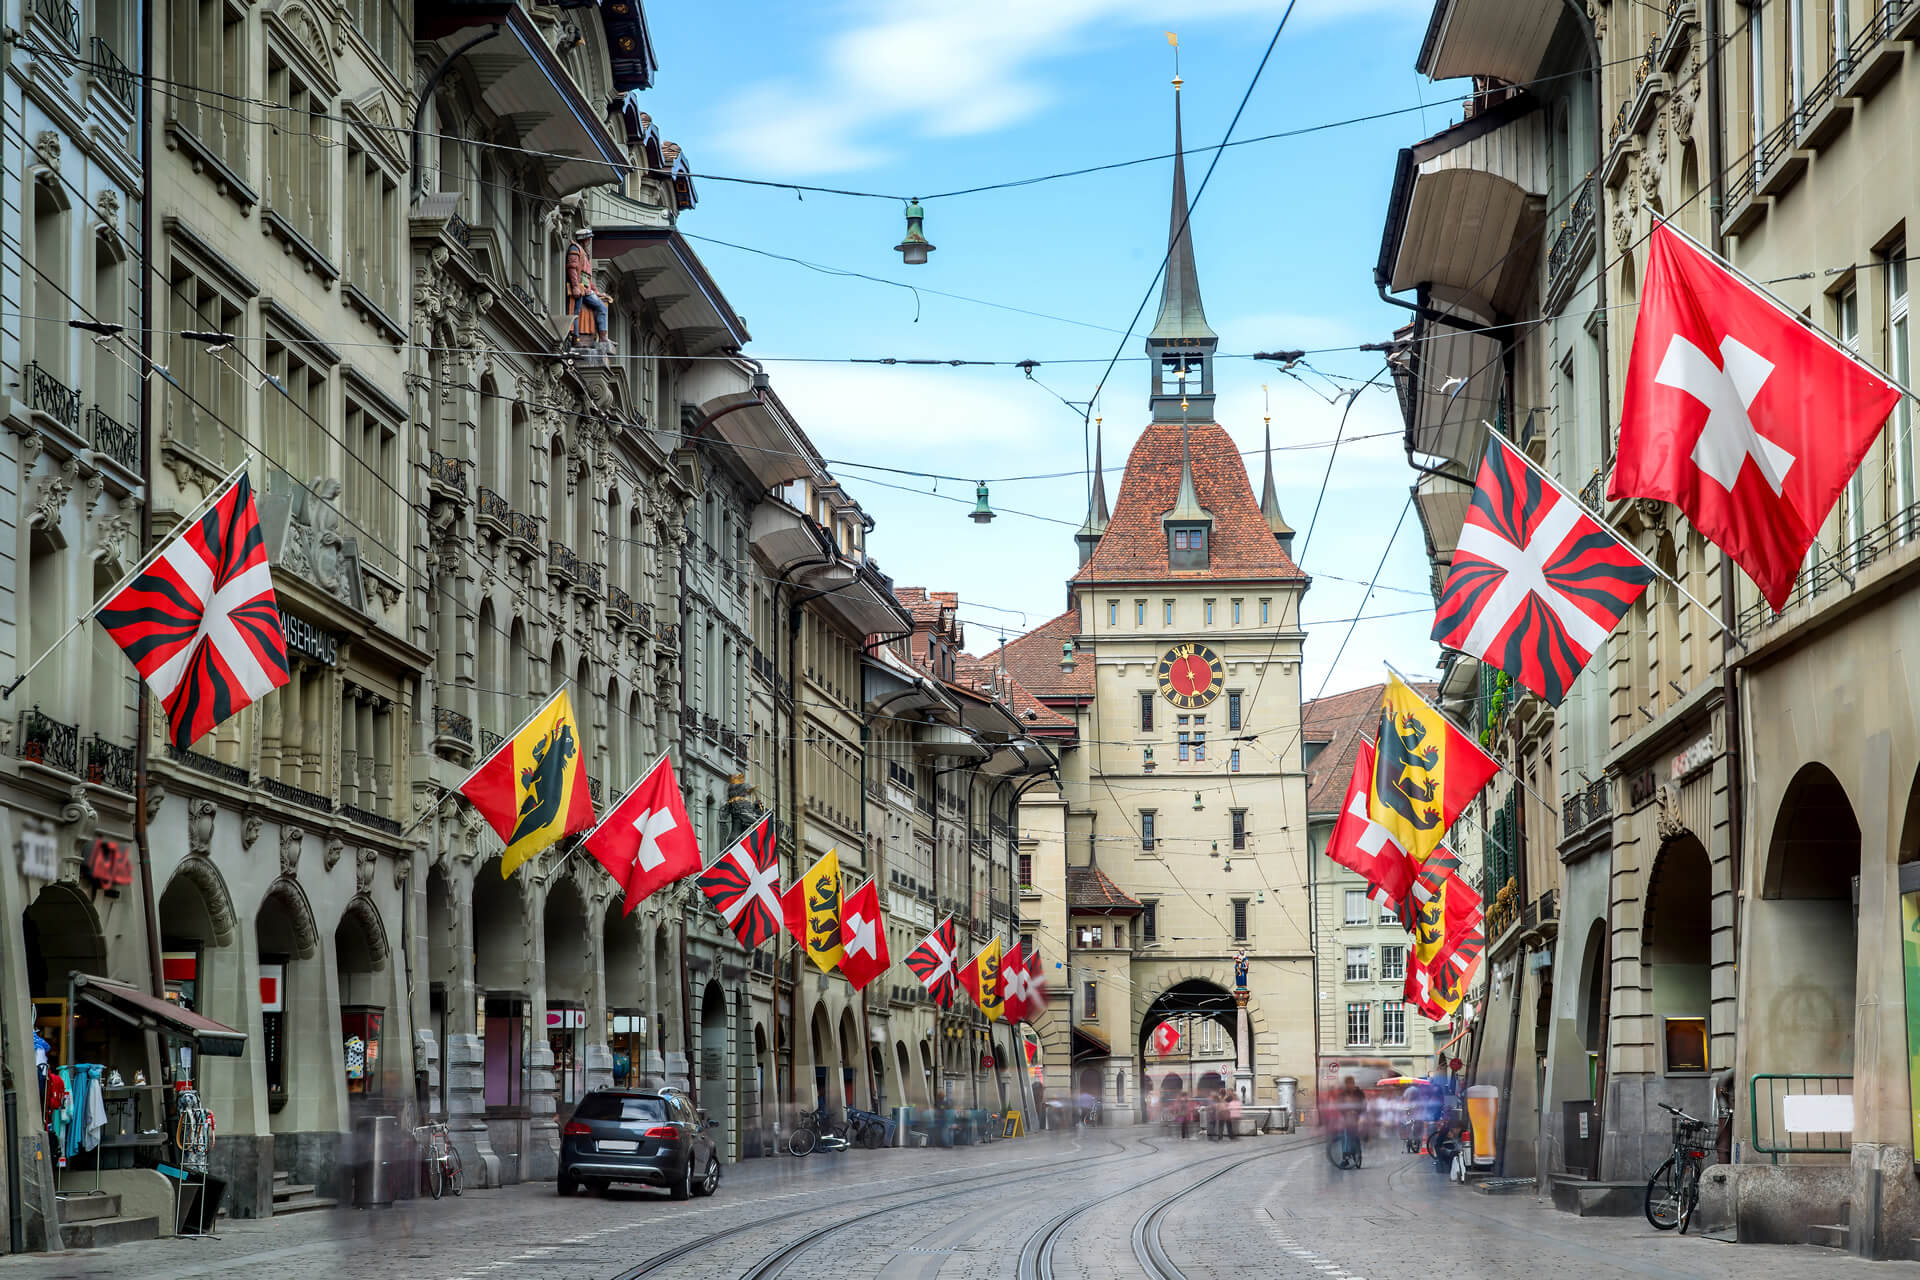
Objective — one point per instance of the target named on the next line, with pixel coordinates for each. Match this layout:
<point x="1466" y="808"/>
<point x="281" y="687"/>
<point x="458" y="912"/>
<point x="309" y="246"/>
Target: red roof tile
<point x="1134" y="547"/>
<point x="982" y="674"/>
<point x="1338" y="720"/>
<point x="1034" y="659"/>
<point x="1089" y="889"/>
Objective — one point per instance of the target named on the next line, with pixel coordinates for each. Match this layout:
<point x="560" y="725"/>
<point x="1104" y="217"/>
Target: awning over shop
<point x="1507" y="39"/>
<point x="1088" y="1043"/>
<point x="1468" y="209"/>
<point x="148" y="1012"/>
<point x="672" y="277"/>
<point x="521" y="81"/>
<point x="1454" y="391"/>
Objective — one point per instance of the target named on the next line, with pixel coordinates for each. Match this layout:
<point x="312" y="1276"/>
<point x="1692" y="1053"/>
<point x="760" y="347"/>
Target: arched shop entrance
<point x="569" y="961"/>
<point x="626" y="950"/>
<point x="61" y="934"/>
<point x="713" y="1061"/>
<point x="500" y="941"/>
<point x="365" y="981"/>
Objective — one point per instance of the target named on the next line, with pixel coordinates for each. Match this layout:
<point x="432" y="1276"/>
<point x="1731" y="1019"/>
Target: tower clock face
<point x="1191" y="675"/>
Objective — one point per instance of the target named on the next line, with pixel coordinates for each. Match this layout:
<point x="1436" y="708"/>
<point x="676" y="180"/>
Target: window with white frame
<point x="1266" y="609"/>
<point x="1166" y="612"/>
<point x="1393" y="1022"/>
<point x="1359" y="1023"/>
<point x="1393" y="962"/>
<point x="1846" y="327"/>
<point x="203" y="392"/>
<point x="1359" y="964"/>
<point x="373" y="437"/>
<point x="1899" y="363"/>
<point x="1236" y="613"/>
<point x="1207" y="612"/>
<point x="1113" y="613"/>
<point x="1356" y="912"/>
<point x="1389" y="916"/>
<point x="292" y="402"/>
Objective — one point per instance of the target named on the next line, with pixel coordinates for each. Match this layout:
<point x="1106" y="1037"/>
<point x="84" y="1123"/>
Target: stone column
<point x="466" y="1051"/>
<point x="542" y="1160"/>
<point x="596" y="1055"/>
<point x="1242" y="1049"/>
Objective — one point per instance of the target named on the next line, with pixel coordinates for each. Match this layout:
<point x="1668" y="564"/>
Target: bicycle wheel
<point x="436" y="1174"/>
<point x="1336" y="1152"/>
<point x="1689" y="1193"/>
<point x="803" y="1141"/>
<point x="456" y="1172"/>
<point x="1663" y="1203"/>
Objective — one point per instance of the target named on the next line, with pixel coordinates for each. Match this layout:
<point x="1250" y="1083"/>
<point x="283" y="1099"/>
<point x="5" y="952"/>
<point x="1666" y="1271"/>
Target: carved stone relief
<point x="290" y="838"/>
<point x="331" y="853"/>
<point x="200" y="820"/>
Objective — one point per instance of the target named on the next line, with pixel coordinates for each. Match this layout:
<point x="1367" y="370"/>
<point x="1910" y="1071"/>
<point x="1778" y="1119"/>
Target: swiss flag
<point x="1739" y="414"/>
<point x="647" y="840"/>
<point x="1015" y="981"/>
<point x="1166" y="1039"/>
<point x="1362" y="845"/>
<point x="1036" y="984"/>
<point x="863" y="937"/>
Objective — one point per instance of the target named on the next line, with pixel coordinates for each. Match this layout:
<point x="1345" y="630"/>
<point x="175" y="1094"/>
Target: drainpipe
<point x="143" y="850"/>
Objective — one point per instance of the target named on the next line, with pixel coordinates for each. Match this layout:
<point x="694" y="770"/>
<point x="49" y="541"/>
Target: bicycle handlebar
<point x="1678" y="1112"/>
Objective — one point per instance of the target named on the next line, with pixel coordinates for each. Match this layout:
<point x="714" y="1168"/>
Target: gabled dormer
<point x="1189" y="526"/>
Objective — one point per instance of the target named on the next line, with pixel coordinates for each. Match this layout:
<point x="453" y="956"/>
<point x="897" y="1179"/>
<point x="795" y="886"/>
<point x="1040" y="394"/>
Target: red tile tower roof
<point x="1134" y="548"/>
<point x="1034" y="660"/>
<point x="1089" y="889"/>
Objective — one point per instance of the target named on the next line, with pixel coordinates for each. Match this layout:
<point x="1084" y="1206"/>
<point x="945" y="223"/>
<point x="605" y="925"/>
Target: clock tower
<point x="1169" y="870"/>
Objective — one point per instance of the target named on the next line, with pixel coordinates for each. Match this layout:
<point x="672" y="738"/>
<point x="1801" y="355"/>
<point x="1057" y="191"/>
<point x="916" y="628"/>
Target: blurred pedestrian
<point x="1233" y="1115"/>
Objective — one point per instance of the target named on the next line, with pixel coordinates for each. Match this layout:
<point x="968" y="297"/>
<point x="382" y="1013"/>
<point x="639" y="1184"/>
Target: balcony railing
<point x="50" y="742"/>
<point x="110" y="765"/>
<point x="47" y="394"/>
<point x="590" y="578"/>
<point x="493" y="508"/>
<point x="489" y="740"/>
<point x="526" y="297"/>
<point x="626" y="612"/>
<point x="296" y="795"/>
<point x="449" y="473"/>
<point x="596" y="790"/>
<point x="1579" y="223"/>
<point x="368" y="818"/>
<point x="1833" y="570"/>
<point x="561" y="562"/>
<point x="209" y="765"/>
<point x="524" y="528"/>
<point x="1584" y="808"/>
<point x="114" y="75"/>
<point x="1593" y="494"/>
<point x="670" y="636"/>
<point x="453" y="725"/>
<point x="115" y="439"/>
<point x="458" y="228"/>
<point x="62" y="17"/>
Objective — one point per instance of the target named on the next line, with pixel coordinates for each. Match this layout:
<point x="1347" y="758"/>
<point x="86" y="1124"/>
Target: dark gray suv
<point x="632" y="1135"/>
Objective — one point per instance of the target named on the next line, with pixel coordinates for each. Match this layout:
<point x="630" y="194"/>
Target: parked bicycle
<point x="1344" y="1150"/>
<point x="1673" y="1192"/>
<point x="439" y="1160"/>
<point x="868" y="1129"/>
<point x="816" y="1131"/>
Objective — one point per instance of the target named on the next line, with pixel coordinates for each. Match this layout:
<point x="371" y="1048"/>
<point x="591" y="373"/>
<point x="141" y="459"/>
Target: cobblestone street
<point x="1127" y="1202"/>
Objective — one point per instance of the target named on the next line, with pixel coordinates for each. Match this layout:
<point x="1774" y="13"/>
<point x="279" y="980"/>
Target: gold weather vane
<point x="1173" y="39"/>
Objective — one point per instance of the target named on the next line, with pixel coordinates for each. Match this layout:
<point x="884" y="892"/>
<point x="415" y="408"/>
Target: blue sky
<point x="938" y="96"/>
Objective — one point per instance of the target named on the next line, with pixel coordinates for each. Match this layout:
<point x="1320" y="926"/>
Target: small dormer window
<point x="1188" y="549"/>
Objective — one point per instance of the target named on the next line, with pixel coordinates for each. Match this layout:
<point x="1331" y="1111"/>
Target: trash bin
<point x="376" y="1149"/>
<point x="902" y="1126"/>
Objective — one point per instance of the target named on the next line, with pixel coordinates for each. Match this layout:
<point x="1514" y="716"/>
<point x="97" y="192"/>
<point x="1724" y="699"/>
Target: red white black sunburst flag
<point x="201" y="622"/>
<point x="743" y="884"/>
<point x="1537" y="583"/>
<point x="934" y="962"/>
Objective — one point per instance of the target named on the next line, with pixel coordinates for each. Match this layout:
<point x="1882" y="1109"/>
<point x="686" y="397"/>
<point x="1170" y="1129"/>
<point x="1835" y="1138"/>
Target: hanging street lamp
<point x="915" y="247"/>
<point x="981" y="512"/>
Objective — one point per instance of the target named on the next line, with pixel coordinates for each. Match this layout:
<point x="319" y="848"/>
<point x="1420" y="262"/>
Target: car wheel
<point x="683" y="1189"/>
<point x="568" y="1184"/>
<point x="711" y="1182"/>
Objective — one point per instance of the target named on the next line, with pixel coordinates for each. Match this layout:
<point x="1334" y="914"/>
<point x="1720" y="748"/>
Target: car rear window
<point x="613" y="1106"/>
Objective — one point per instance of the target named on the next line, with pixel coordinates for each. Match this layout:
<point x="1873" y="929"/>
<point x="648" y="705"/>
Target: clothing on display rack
<point x="79" y="1117"/>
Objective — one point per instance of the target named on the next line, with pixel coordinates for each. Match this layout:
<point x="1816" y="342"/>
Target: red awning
<point x="148" y="1012"/>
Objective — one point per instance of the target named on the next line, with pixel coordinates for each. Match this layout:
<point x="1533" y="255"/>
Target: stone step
<point x="301" y="1204"/>
<point x="98" y="1233"/>
<point x="1586" y="1199"/>
<point x="290" y="1190"/>
<point x="1502" y="1186"/>
<point x="81" y="1207"/>
<point x="1831" y="1235"/>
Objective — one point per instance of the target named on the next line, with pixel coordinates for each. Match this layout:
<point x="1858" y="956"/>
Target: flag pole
<point x="1780" y="305"/>
<point x="153" y="553"/>
<point x="1632" y="550"/>
<point x="610" y="808"/>
<point x="1519" y="781"/>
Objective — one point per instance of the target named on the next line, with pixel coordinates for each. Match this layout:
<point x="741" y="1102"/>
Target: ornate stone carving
<point x="1653" y="513"/>
<point x="50" y="495"/>
<point x="156" y="790"/>
<point x="365" y="862"/>
<point x="108" y="205"/>
<point x="330" y="854"/>
<point x="290" y="838"/>
<point x="1622" y="226"/>
<point x="46" y="149"/>
<point x="250" y="829"/>
<point x="1667" y="816"/>
<point x="79" y="817"/>
<point x="200" y="820"/>
<point x="114" y="533"/>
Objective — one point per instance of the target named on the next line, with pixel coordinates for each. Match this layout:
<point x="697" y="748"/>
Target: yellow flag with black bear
<point x="981" y="978"/>
<point x="1425" y="772"/>
<point x="812" y="910"/>
<point x="532" y="790"/>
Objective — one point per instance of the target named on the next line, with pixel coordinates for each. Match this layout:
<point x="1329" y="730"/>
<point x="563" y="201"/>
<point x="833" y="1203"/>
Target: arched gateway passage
<point x="1186" y="1006"/>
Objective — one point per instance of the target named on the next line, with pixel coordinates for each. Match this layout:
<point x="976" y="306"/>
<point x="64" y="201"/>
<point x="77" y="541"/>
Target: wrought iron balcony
<point x="1581" y="809"/>
<point x="1579" y="223"/>
<point x="47" y="741"/>
<point x="296" y="795"/>
<point x="115" y="439"/>
<point x="110" y="765"/>
<point x="669" y="636"/>
<point x="524" y="529"/>
<point x="591" y="576"/>
<point x="561" y="562"/>
<point x="452" y="725"/>
<point x="596" y="790"/>
<point x="114" y="75"/>
<point x="1593" y="493"/>
<point x="447" y="473"/>
<point x="458" y="228"/>
<point x="47" y="394"/>
<point x="368" y="818"/>
<point x="493" y="509"/>
<point x="62" y="17"/>
<point x="208" y="765"/>
<point x="525" y="295"/>
<point x="489" y="741"/>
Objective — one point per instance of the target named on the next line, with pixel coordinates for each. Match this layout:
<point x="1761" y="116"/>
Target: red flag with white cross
<point x="1362" y="845"/>
<point x="1015" y="982"/>
<point x="647" y="841"/>
<point x="1739" y="413"/>
<point x="863" y="937"/>
<point x="1037" y="996"/>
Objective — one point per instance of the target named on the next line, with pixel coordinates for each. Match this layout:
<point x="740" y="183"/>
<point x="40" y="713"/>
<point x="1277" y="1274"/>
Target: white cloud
<point x="949" y="68"/>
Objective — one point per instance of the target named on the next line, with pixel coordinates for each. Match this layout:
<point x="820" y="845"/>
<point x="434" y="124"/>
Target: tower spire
<point x="1181" y="339"/>
<point x="1270" y="500"/>
<point x="1097" y="518"/>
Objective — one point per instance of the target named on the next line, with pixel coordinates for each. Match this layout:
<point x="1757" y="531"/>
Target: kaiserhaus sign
<point x="1697" y="756"/>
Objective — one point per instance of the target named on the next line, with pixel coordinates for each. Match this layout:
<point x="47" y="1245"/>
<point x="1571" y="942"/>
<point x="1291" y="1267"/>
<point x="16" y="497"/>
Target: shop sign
<point x="273" y="992"/>
<point x="308" y="640"/>
<point x="1640" y="787"/>
<point x="108" y="866"/>
<point x="39" y="854"/>
<point x="566" y="1019"/>
<point x="1695" y="758"/>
